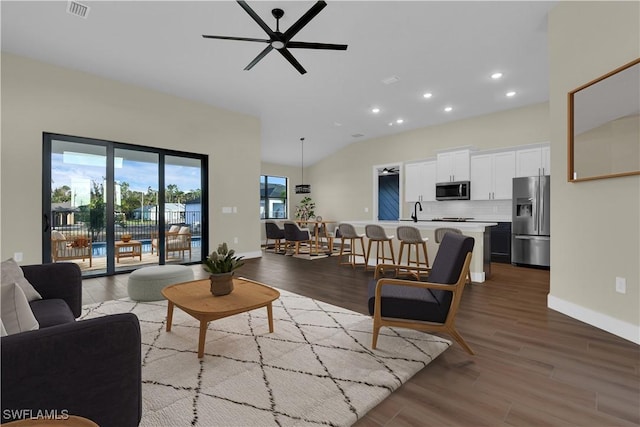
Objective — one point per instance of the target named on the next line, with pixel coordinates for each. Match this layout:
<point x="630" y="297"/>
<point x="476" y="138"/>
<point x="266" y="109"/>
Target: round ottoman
<point x="146" y="283"/>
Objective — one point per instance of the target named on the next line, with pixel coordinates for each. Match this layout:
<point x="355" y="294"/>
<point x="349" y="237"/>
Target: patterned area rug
<point x="316" y="368"/>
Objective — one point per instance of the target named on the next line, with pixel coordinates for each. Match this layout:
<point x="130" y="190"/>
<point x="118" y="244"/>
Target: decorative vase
<point x="125" y="237"/>
<point x="221" y="284"/>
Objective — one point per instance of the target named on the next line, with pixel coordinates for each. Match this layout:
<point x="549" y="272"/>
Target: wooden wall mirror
<point x="604" y="126"/>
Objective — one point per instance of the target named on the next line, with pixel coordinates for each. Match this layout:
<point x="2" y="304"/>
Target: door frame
<point x="111" y="146"/>
<point x="376" y="171"/>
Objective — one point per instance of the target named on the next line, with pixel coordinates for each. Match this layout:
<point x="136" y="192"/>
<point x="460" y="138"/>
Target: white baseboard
<point x="477" y="277"/>
<point x="248" y="255"/>
<point x="607" y="323"/>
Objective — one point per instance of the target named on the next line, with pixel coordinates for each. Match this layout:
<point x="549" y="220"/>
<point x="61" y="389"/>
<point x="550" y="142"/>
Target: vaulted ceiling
<point x="449" y="49"/>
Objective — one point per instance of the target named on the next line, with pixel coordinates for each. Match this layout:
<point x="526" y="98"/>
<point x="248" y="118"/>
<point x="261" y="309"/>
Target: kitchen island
<point x="480" y="231"/>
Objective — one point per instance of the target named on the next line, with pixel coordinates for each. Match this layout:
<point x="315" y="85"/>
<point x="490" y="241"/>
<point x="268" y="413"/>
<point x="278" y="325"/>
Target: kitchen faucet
<point x="414" y="216"/>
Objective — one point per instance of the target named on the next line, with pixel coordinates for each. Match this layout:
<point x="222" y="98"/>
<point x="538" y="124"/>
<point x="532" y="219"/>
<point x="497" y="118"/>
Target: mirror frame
<point x="570" y="139"/>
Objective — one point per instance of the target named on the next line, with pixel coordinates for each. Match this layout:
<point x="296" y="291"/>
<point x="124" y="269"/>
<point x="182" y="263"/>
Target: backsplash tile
<point x="483" y="210"/>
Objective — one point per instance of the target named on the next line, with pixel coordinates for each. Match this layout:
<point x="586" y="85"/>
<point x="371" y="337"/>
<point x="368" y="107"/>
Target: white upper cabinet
<point x="420" y="181"/>
<point x="492" y="175"/>
<point x="533" y="161"/>
<point x="453" y="166"/>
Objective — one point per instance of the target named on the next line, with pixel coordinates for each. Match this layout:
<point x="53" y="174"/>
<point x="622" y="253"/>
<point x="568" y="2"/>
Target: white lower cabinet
<point x="492" y="176"/>
<point x="420" y="181"/>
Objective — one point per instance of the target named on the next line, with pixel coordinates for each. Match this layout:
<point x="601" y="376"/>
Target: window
<point x="273" y="197"/>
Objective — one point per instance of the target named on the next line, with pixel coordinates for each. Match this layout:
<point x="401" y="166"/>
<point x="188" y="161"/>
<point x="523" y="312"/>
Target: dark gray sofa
<point x="89" y="368"/>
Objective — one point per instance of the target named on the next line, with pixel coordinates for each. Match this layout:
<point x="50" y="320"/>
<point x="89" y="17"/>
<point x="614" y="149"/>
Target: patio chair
<point x="68" y="248"/>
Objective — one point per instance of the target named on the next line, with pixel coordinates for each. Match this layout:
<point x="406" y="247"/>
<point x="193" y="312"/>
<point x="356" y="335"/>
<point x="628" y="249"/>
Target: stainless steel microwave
<point x="459" y="190"/>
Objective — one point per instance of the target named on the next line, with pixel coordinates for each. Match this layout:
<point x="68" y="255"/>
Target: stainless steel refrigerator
<point x="530" y="228"/>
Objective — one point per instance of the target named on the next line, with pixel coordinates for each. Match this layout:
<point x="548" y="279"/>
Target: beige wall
<point x="38" y="98"/>
<point x="613" y="147"/>
<point x="595" y="224"/>
<point x="342" y="184"/>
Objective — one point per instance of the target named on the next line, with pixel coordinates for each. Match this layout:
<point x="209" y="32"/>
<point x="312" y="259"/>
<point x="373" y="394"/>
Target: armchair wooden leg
<point x="374" y="337"/>
<point x="456" y="336"/>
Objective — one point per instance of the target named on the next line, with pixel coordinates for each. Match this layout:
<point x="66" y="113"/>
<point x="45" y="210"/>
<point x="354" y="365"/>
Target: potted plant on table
<point x="221" y="265"/>
<point x="305" y="210"/>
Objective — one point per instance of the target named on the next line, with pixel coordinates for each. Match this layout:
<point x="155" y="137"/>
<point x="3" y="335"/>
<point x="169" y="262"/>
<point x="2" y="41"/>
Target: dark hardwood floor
<point x="533" y="366"/>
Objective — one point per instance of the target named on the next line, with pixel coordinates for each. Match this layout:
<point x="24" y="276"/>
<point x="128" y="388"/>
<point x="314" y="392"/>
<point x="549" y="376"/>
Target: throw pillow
<point x="56" y="235"/>
<point x="16" y="314"/>
<point x="184" y="230"/>
<point x="12" y="273"/>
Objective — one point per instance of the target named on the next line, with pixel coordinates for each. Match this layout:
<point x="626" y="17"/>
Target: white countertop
<point x="429" y="225"/>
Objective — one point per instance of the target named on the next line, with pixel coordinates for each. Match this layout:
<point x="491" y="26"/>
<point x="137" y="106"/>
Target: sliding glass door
<point x="113" y="207"/>
<point x="75" y="222"/>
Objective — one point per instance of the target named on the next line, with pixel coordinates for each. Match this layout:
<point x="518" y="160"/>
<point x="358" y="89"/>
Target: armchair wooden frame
<point x="449" y="324"/>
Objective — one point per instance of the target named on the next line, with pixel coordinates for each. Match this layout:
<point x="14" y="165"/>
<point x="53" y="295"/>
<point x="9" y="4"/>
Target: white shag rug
<point x="316" y="369"/>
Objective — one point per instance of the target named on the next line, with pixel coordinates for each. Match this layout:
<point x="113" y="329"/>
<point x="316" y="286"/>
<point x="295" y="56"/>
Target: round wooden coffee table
<point x="68" y="421"/>
<point x="195" y="299"/>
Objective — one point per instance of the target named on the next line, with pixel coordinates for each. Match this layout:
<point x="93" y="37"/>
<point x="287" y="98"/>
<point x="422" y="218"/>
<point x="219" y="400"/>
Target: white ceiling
<point x="448" y="48"/>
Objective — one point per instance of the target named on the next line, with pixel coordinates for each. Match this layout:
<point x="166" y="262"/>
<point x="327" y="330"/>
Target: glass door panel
<point x="183" y="209"/>
<point x="136" y="218"/>
<point x="78" y="205"/>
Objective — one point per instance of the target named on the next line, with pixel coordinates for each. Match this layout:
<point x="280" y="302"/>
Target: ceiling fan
<point x="282" y="41"/>
<point x="389" y="171"/>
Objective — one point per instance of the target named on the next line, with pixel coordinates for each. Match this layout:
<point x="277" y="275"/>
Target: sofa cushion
<point x="12" y="273"/>
<point x="16" y="314"/>
<point x="407" y="302"/>
<point x="51" y="312"/>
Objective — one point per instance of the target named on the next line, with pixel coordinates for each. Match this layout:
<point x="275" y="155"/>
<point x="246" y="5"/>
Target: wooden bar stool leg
<point x="369" y="252"/>
<point x="364" y="254"/>
<point x="393" y="258"/>
<point x="426" y="257"/>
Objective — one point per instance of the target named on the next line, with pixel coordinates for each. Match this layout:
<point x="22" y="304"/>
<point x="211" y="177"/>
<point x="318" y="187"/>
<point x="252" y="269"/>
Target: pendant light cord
<point x="302" y="160"/>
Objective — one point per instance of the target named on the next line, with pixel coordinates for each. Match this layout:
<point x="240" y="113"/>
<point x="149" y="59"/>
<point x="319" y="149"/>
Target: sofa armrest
<point x="57" y="280"/>
<point x="89" y="368"/>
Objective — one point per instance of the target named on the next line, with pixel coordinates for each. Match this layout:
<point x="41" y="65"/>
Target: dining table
<point x="318" y="225"/>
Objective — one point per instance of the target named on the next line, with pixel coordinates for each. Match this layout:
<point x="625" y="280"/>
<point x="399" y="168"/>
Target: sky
<point x="78" y="172"/>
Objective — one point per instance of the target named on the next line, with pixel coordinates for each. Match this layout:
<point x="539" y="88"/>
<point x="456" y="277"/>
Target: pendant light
<point x="302" y="188"/>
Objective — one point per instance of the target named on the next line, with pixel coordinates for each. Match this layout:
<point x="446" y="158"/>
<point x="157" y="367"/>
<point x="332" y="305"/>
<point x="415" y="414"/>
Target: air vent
<point x="77" y="9"/>
<point x="391" y="80"/>
<point x="357" y="135"/>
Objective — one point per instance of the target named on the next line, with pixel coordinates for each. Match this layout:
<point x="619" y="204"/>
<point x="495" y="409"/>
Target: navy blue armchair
<point x="426" y="306"/>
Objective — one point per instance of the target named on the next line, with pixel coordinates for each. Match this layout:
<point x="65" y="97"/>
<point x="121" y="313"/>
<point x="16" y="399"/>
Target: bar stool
<point x="376" y="234"/>
<point x="411" y="236"/>
<point x="439" y="234"/>
<point x="348" y="232"/>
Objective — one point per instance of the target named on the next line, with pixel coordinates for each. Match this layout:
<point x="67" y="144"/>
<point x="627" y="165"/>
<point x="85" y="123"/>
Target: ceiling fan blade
<point x="259" y="57"/>
<point x="308" y="45"/>
<point x="292" y="60"/>
<point x="245" y="39"/>
<point x="304" y="20"/>
<point x="256" y="18"/>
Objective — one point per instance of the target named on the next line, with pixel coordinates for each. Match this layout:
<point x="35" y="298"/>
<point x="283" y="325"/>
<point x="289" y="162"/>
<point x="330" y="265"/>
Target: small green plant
<point x="222" y="260"/>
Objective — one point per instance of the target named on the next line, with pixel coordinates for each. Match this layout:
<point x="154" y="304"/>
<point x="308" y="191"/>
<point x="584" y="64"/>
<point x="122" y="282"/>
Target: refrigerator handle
<point x="536" y="220"/>
<point x="541" y="210"/>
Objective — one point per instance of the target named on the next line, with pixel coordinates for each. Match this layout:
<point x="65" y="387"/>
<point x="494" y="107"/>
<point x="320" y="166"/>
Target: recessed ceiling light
<point x="496" y="76"/>
<point x="511" y="93"/>
<point x="399" y="121"/>
<point x="447" y="109"/>
<point x="428" y="95"/>
<point x="375" y="110"/>
<point x="390" y="123"/>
